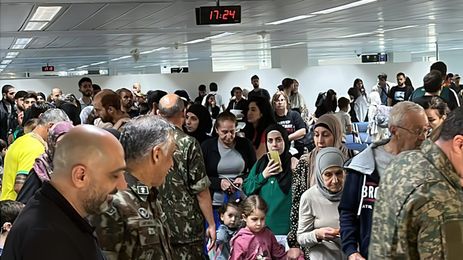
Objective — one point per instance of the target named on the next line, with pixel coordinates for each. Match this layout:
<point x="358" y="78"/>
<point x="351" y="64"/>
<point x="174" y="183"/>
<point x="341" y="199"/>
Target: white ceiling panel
<point x="87" y="31"/>
<point x="12" y="16"/>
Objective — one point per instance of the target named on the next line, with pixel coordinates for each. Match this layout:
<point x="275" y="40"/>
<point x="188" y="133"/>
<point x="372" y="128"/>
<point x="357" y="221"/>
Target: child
<point x="9" y="210"/>
<point x="230" y="216"/>
<point x="255" y="241"/>
<point x="344" y="117"/>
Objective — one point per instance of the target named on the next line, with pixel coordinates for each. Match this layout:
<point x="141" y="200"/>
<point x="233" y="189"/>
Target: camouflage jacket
<point x="185" y="180"/>
<point x="134" y="227"/>
<point x="419" y="211"/>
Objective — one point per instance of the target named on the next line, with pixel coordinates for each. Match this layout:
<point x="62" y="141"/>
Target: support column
<point x="291" y="61"/>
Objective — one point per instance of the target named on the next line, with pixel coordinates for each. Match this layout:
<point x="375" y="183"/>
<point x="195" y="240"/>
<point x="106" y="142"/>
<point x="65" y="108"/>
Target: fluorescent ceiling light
<point x="23" y="41"/>
<point x="343" y="7"/>
<point x="45" y="13"/>
<point x="155" y="50"/>
<point x="121" y="58"/>
<point x="399" y="28"/>
<point x="287" y="45"/>
<point x="2" y="66"/>
<point x="98" y="63"/>
<point x="196" y="41"/>
<point x="220" y="35"/>
<point x="380" y="31"/>
<point x="35" y="26"/>
<point x="292" y="19"/>
<point x="12" y="54"/>
<point x="83" y="66"/>
<point x="357" y="35"/>
<point x="72" y="69"/>
<point x="6" y="62"/>
<point x="209" y="38"/>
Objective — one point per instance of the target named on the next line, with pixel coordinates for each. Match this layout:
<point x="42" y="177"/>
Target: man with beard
<point x="127" y="102"/>
<point x="8" y="115"/>
<point x="258" y="91"/>
<point x="107" y="105"/>
<point x="86" y="88"/>
<point x="135" y="227"/>
<point x="88" y="166"/>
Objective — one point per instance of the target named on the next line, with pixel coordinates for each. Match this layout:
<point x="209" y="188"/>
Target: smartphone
<point x="275" y="156"/>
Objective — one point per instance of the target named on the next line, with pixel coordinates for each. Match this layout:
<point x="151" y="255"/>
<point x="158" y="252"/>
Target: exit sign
<point x="48" y="68"/>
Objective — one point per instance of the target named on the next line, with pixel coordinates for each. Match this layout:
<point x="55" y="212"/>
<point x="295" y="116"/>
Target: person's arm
<point x="205" y="204"/>
<point x="19" y="181"/>
<point x="238" y="249"/>
<point x="299" y="126"/>
<point x="253" y="182"/>
<point x="278" y="251"/>
<point x="306" y="236"/>
<point x="348" y="210"/>
<point x="199" y="184"/>
<point x="297" y="135"/>
<point x="298" y="187"/>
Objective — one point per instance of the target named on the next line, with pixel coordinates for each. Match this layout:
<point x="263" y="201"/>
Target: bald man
<point x="107" y="105"/>
<point x="185" y="196"/>
<point x="56" y="94"/>
<point x="88" y="166"/>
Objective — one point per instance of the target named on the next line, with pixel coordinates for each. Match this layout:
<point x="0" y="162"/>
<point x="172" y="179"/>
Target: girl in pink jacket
<point x="255" y="241"/>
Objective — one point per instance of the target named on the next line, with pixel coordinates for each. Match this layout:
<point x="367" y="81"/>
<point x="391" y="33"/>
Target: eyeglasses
<point x="421" y="132"/>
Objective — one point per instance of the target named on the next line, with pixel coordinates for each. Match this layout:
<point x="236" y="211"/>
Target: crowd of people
<point x="127" y="175"/>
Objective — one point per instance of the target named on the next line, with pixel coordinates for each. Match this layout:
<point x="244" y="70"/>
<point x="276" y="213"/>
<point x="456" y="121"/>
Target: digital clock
<point x="218" y="14"/>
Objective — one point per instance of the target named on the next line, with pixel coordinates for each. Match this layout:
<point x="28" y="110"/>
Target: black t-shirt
<point x="399" y="94"/>
<point x="292" y="122"/>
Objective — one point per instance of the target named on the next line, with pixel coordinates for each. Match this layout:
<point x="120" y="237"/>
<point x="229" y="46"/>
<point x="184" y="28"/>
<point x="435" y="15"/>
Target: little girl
<point x="230" y="216"/>
<point x="255" y="241"/>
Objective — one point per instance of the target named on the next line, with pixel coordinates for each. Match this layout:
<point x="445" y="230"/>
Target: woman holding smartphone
<point x="273" y="183"/>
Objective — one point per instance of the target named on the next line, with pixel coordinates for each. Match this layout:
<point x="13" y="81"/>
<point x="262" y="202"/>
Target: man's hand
<point x="356" y="256"/>
<point x="212" y="235"/>
<point x="294" y="253"/>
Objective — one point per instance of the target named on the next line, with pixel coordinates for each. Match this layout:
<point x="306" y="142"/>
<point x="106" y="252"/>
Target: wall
<point x="312" y="79"/>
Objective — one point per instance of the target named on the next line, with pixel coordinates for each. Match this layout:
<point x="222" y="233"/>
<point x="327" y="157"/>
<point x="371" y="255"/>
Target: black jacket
<point x="50" y="228"/>
<point x="211" y="157"/>
<point x="8" y="121"/>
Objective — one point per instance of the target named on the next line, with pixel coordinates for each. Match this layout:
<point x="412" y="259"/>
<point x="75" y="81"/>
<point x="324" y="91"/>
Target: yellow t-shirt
<point x="19" y="159"/>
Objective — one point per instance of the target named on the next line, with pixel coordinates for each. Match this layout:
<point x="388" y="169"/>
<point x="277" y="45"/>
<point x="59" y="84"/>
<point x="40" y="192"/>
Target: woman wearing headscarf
<point x="318" y="227"/>
<point x="273" y="183"/>
<point x="43" y="166"/>
<point x="198" y="122"/>
<point x="327" y="133"/>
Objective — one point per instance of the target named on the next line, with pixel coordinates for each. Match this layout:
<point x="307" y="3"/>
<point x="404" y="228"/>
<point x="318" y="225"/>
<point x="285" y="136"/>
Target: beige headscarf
<point x="330" y="122"/>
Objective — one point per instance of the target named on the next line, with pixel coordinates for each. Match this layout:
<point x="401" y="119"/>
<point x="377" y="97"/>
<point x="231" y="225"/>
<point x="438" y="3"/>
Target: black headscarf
<point x="284" y="177"/>
<point x="205" y="122"/>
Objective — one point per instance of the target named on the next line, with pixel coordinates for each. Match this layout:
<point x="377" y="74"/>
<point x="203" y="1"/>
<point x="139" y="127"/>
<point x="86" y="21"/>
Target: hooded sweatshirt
<point x="358" y="200"/>
<point x="246" y="245"/>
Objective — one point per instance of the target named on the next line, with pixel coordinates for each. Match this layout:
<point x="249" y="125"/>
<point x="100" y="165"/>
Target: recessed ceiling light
<point x="45" y="13"/>
<point x="12" y="54"/>
<point x="98" y="63"/>
<point x="121" y="58"/>
<point x="2" y="66"/>
<point x="343" y="7"/>
<point x="35" y="26"/>
<point x="23" y="41"/>
<point x="6" y="62"/>
<point x="291" y="19"/>
<point x="287" y="45"/>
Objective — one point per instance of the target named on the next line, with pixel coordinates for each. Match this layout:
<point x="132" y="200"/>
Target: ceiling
<point x="100" y="35"/>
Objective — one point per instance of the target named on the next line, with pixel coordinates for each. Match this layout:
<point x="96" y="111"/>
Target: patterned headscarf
<point x="44" y="164"/>
<point x="328" y="157"/>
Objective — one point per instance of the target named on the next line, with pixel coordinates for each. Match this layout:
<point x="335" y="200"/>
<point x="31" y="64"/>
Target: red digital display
<point x="218" y="14"/>
<point x="48" y="68"/>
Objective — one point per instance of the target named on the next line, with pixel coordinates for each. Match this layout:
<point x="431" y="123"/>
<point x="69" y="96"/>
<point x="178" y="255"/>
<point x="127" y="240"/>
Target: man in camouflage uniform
<point x="419" y="212"/>
<point x="134" y="226"/>
<point x="185" y="195"/>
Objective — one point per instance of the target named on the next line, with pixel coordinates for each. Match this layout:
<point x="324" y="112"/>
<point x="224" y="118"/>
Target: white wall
<point x="312" y="79"/>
